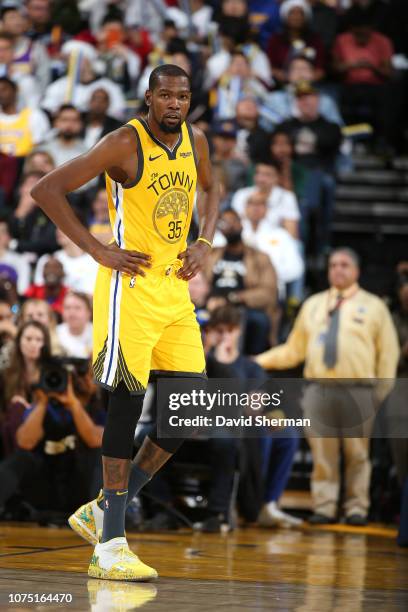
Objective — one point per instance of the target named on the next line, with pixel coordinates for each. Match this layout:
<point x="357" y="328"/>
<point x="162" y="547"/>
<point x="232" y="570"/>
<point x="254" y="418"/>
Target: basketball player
<point x="143" y="318"/>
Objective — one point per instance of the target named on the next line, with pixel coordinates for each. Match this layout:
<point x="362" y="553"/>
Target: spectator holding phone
<point x="121" y="64"/>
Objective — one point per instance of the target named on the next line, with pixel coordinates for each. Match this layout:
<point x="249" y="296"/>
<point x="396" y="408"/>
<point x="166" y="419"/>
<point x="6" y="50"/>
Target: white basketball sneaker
<point x="113" y="560"/>
<point x="87" y="521"/>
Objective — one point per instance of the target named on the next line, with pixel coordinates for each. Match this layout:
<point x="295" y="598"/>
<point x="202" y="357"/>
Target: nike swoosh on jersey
<point x="153" y="158"/>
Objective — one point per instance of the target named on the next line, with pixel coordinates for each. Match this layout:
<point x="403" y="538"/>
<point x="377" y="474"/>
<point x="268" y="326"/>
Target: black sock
<point x="114" y="508"/>
<point x="137" y="480"/>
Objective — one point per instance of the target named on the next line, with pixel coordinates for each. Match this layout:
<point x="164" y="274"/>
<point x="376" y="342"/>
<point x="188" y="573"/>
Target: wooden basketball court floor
<point x="313" y="569"/>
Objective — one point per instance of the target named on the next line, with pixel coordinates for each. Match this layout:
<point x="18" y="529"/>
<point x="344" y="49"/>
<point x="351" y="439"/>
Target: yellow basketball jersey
<point x="153" y="214"/>
<point x="15" y="135"/>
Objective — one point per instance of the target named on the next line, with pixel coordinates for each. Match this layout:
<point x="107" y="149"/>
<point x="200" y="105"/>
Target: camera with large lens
<point x="55" y="372"/>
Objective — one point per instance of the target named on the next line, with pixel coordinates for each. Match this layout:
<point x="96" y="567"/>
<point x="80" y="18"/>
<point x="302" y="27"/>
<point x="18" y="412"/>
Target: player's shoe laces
<point x="113" y="560"/>
<point x="88" y="520"/>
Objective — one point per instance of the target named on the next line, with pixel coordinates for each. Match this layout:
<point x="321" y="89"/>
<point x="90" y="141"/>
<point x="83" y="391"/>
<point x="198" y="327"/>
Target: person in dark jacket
<point x="31" y="230"/>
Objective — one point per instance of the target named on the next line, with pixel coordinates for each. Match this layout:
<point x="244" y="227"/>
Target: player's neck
<point x="170" y="140"/>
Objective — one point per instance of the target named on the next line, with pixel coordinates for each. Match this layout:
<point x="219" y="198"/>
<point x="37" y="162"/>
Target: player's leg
<point x="117" y="446"/>
<point x="121" y="351"/>
<point x="124" y="411"/>
<point x="152" y="455"/>
<point x="112" y="558"/>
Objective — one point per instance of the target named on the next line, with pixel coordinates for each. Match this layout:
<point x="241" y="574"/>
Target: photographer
<point x="57" y="463"/>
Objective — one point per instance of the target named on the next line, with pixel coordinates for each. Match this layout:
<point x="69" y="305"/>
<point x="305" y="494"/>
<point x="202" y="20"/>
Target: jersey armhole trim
<point x="140" y="159"/>
<point x="192" y="142"/>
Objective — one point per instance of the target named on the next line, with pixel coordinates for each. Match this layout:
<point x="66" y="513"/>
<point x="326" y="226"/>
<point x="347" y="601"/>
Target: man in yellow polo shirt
<point x="342" y="333"/>
<point x="20" y="130"/>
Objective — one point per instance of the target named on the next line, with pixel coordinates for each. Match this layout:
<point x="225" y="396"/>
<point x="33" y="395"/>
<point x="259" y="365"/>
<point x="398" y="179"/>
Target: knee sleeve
<point x="170" y="445"/>
<point x="124" y="411"/>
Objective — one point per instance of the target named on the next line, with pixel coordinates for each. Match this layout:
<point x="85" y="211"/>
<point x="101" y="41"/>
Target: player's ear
<point x="148" y="97"/>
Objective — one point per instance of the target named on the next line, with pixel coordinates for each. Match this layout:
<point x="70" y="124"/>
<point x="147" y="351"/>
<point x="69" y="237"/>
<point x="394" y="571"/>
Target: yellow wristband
<point x="200" y="239"/>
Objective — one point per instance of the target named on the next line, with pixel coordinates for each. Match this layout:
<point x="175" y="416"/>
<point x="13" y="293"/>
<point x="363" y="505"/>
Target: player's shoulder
<point x="123" y="137"/>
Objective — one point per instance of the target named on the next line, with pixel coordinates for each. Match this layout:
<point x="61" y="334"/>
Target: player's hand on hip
<point x="128" y="262"/>
<point x="193" y="260"/>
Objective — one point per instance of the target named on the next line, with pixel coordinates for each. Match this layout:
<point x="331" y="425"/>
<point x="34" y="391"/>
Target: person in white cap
<point x="296" y="38"/>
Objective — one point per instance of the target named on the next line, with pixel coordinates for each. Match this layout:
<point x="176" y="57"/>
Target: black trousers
<point x="51" y="483"/>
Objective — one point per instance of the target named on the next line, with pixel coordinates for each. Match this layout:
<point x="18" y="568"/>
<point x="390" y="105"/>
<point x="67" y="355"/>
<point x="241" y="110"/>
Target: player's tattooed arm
<point x="116" y="154"/>
<point x="208" y="209"/>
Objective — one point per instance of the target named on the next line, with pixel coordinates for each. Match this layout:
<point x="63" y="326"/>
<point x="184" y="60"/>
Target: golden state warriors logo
<point x="170" y="215"/>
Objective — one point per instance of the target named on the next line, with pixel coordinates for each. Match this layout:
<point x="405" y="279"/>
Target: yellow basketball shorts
<point x="144" y="325"/>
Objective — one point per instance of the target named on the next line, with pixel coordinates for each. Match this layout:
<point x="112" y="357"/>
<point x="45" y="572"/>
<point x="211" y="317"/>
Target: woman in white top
<point x="276" y="242"/>
<point x="282" y="208"/>
<point x="75" y="332"/>
<point x="80" y="268"/>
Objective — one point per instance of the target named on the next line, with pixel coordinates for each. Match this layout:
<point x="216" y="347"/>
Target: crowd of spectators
<point x="274" y="83"/>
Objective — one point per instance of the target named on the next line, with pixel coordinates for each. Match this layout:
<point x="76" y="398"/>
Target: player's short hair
<point x="166" y="70"/>
<point x="354" y="256"/>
